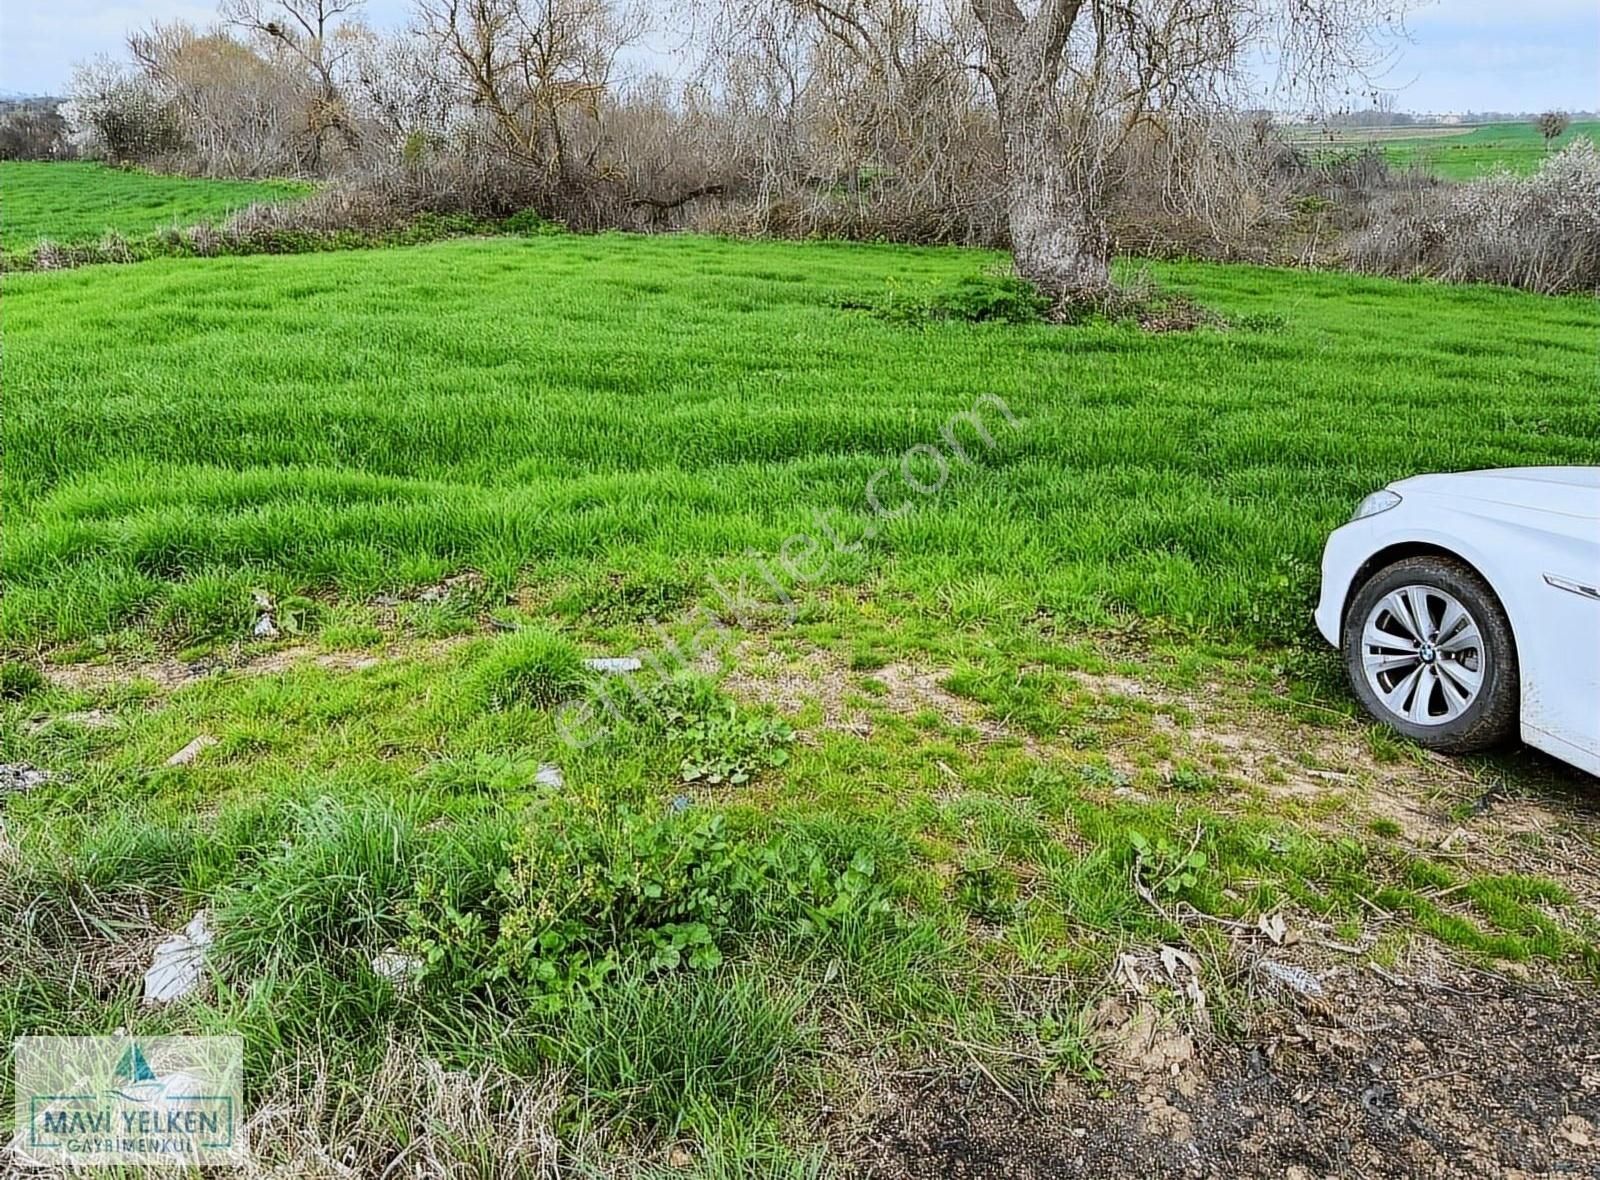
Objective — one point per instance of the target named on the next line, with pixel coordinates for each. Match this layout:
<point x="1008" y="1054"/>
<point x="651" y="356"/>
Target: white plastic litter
<point x="17" y="777"/>
<point x="179" y="963"/>
<point x="395" y="966"/>
<point x="549" y="775"/>
<point x="266" y="626"/>
<point x="192" y="751"/>
<point x="614" y="664"/>
<point x="1296" y="978"/>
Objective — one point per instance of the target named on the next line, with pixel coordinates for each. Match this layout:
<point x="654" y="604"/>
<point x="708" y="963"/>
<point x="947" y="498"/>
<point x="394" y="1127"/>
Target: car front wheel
<point x="1429" y="651"/>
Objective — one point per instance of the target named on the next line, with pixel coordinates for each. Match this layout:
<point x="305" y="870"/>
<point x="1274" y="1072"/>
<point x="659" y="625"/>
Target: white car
<point x="1467" y="604"/>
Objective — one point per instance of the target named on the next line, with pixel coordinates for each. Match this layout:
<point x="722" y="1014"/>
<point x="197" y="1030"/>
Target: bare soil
<point x="1469" y="1076"/>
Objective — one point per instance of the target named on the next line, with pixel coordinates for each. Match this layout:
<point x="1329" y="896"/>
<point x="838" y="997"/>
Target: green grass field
<point x="1510" y="147"/>
<point x="73" y="202"/>
<point x="364" y="422"/>
<point x="1459" y="153"/>
<point x="940" y="717"/>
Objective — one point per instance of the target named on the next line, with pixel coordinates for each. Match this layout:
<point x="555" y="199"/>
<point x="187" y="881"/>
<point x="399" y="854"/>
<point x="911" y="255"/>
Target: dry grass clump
<point x="411" y="1116"/>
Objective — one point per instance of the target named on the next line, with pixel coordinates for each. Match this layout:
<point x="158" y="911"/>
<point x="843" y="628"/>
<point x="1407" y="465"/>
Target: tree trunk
<point x="1057" y="242"/>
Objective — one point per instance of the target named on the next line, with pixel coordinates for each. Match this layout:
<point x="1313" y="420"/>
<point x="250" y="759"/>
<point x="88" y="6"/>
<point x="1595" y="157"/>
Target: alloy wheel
<point x="1423" y="655"/>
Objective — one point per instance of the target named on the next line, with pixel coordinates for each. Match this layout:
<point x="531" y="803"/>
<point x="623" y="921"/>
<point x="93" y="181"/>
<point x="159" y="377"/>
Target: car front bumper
<point x="1347" y="548"/>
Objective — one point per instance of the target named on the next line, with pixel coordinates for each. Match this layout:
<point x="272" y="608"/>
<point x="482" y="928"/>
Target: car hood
<point x="1570" y="491"/>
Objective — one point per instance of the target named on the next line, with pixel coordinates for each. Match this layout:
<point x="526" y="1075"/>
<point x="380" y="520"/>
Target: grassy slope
<point x="531" y="408"/>
<point x="1515" y="147"/>
<point x="75" y="202"/>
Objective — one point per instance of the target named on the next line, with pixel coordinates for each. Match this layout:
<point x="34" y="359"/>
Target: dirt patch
<point x="1259" y="757"/>
<point x="913" y="690"/>
<point x="1474" y="1076"/>
<point x="848" y="700"/>
<point x="1528" y="820"/>
<point x="763" y="677"/>
<point x="80" y="719"/>
<point x="1286" y="760"/>
<point x="1140" y="1041"/>
<point x="285" y="659"/>
<point x="169" y="675"/>
<point x="1110" y="685"/>
<point x="165" y="673"/>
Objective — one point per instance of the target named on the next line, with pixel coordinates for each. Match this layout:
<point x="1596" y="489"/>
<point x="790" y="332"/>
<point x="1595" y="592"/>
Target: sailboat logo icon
<point x="133" y="1067"/>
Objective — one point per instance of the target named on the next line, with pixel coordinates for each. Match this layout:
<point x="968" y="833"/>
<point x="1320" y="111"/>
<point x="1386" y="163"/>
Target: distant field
<point x="75" y="202"/>
<point x="373" y="419"/>
<point x="1457" y="153"/>
<point x="1516" y="147"/>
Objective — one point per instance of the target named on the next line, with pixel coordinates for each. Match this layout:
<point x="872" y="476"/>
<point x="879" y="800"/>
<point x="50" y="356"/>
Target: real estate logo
<point x="124" y="1100"/>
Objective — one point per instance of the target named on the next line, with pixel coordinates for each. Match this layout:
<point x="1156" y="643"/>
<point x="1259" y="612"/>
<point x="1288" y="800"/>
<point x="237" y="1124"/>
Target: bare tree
<point x="236" y="107"/>
<point x="318" y="34"/>
<point x="398" y="89"/>
<point x="1552" y="125"/>
<point x="533" y="66"/>
<point x="1071" y="80"/>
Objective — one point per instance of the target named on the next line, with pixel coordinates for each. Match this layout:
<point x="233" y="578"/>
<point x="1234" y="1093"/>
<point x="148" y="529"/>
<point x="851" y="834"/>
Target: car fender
<point x="1479" y="556"/>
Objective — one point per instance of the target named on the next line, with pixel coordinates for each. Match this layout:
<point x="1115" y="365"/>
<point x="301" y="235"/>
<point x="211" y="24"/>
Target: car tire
<point x="1463" y="696"/>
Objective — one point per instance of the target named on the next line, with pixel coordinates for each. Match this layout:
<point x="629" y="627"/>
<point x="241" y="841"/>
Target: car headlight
<point x="1376" y="503"/>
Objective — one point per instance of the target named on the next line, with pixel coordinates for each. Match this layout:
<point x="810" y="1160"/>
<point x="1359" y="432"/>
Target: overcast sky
<point x="1462" y="54"/>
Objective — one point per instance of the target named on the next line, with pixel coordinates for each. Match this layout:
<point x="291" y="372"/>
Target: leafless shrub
<point x="48" y="255"/>
<point x="204" y="239"/>
<point x="1203" y="185"/>
<point x="1539" y="232"/>
<point x="114" y="247"/>
<point x="352" y="203"/>
<point x="1399" y="230"/>
<point x="478" y="184"/>
<point x="411" y="1117"/>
